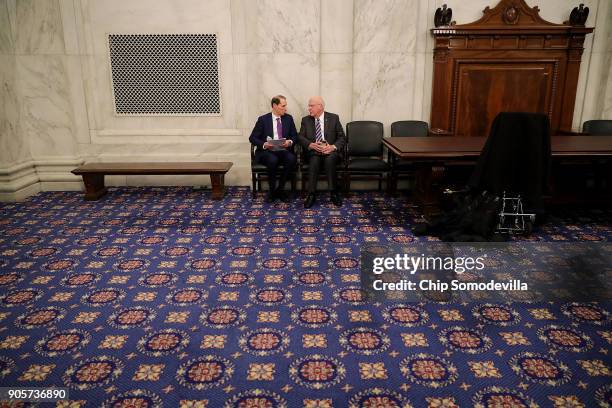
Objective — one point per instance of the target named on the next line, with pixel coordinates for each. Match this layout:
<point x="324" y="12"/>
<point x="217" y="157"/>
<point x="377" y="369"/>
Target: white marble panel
<point x="141" y="16"/>
<point x="39" y="27"/>
<point x="157" y="17"/>
<point x="11" y="6"/>
<point x="241" y="91"/>
<point x="558" y="11"/>
<point x="590" y="90"/>
<point x="69" y="27"/>
<point x="602" y="21"/>
<point x="606" y="112"/>
<point x="76" y="91"/>
<point x="13" y="145"/>
<point x="337" y="26"/>
<point x="385" y="25"/>
<point x="236" y="152"/>
<point x="101" y="100"/>
<point x="7" y="45"/>
<point x="337" y="84"/>
<point x="45" y="108"/>
<point x="296" y="76"/>
<point x="244" y="26"/>
<point x="238" y="146"/>
<point x="290" y="26"/>
<point x="424" y="15"/>
<point x="383" y="87"/>
<point x="423" y="67"/>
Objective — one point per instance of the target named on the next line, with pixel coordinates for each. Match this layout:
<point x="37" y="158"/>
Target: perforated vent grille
<point x="165" y="74"/>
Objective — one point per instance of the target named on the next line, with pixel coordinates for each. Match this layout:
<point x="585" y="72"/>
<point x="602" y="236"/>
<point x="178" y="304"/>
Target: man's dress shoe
<point x="335" y="198"/>
<point x="309" y="201"/>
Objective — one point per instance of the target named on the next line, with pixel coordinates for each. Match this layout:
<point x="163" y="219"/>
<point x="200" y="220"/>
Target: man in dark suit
<point x="269" y="129"/>
<point x="322" y="137"/>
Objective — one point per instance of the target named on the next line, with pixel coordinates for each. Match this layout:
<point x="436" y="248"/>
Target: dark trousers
<point x="273" y="160"/>
<point x="315" y="161"/>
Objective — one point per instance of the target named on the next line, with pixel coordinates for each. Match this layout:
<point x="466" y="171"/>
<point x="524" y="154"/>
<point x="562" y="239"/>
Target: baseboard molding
<point x="22" y="180"/>
<point x="20" y="194"/>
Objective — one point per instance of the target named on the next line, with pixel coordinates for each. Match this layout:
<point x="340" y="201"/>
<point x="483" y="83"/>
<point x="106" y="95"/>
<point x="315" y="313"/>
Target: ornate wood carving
<point x="509" y="60"/>
<point x="444" y="16"/>
<point x="579" y="15"/>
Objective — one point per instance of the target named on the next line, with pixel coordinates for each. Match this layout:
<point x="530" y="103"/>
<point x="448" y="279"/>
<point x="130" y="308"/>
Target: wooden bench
<point x="93" y="174"/>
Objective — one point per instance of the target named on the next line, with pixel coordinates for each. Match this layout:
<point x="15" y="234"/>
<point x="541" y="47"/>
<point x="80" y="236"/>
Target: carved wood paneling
<point x="509" y="60"/>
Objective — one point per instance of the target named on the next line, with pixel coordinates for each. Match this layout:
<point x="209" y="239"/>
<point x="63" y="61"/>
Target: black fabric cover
<point x="516" y="158"/>
<point x="473" y="219"/>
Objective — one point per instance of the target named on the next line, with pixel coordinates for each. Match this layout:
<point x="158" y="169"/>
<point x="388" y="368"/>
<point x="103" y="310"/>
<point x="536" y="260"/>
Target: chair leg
<point x="254" y="185"/>
<point x="303" y="177"/>
<point x="293" y="182"/>
<point x="380" y="176"/>
<point x="393" y="184"/>
<point x="347" y="184"/>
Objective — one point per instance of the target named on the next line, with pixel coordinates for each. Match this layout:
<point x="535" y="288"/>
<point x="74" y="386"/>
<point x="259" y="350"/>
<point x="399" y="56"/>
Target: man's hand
<point x="316" y="147"/>
<point x="286" y="143"/>
<point x="267" y="146"/>
<point x="328" y="149"/>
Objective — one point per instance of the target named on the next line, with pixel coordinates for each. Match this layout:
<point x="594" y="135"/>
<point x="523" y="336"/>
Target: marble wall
<point x="606" y="81"/>
<point x="13" y="148"/>
<point x="369" y="59"/>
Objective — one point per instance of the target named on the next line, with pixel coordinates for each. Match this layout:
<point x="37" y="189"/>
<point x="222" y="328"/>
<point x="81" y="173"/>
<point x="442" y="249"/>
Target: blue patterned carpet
<point x="161" y="297"/>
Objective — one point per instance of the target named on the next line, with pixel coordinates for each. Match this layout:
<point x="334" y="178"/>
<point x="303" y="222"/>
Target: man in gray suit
<point x="322" y="138"/>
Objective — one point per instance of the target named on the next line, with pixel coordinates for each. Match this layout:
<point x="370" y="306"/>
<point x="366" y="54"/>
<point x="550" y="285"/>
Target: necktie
<point x="318" y="132"/>
<point x="279" y="128"/>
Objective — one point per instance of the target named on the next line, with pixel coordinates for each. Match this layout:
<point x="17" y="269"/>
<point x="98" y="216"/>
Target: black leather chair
<point x="365" y="152"/>
<point x="597" y="127"/>
<point x="259" y="173"/>
<point x="598" y="174"/>
<point x="304" y="166"/>
<point x="407" y="128"/>
<point x="404" y="128"/>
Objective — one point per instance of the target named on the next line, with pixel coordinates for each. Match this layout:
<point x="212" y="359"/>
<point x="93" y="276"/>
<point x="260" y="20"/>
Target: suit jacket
<point x="263" y="128"/>
<point x="332" y="129"/>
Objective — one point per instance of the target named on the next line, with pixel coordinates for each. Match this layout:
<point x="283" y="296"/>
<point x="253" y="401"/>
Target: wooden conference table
<point x="431" y="153"/>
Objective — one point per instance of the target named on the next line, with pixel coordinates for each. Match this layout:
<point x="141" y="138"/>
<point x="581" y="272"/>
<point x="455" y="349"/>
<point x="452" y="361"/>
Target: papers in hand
<point x="277" y="144"/>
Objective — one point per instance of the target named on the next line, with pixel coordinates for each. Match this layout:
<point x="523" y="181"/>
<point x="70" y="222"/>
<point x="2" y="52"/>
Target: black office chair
<point x="365" y="152"/>
<point x="302" y="159"/>
<point x="404" y="128"/>
<point x="598" y="174"/>
<point x="259" y="173"/>
<point x="597" y="127"/>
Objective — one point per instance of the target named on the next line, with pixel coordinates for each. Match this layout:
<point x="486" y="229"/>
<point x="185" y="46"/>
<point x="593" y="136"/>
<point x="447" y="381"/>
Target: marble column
<point x="14" y="148"/>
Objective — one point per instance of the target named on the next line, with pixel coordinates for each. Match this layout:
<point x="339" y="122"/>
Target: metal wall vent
<point x="165" y="74"/>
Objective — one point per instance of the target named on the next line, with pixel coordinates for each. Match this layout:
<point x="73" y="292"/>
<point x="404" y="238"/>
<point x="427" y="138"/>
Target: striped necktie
<point x="318" y="132"/>
<point x="279" y="128"/>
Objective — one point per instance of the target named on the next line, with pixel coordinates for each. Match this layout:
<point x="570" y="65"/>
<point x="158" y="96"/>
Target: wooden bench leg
<point x="217" y="186"/>
<point x="94" y="186"/>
